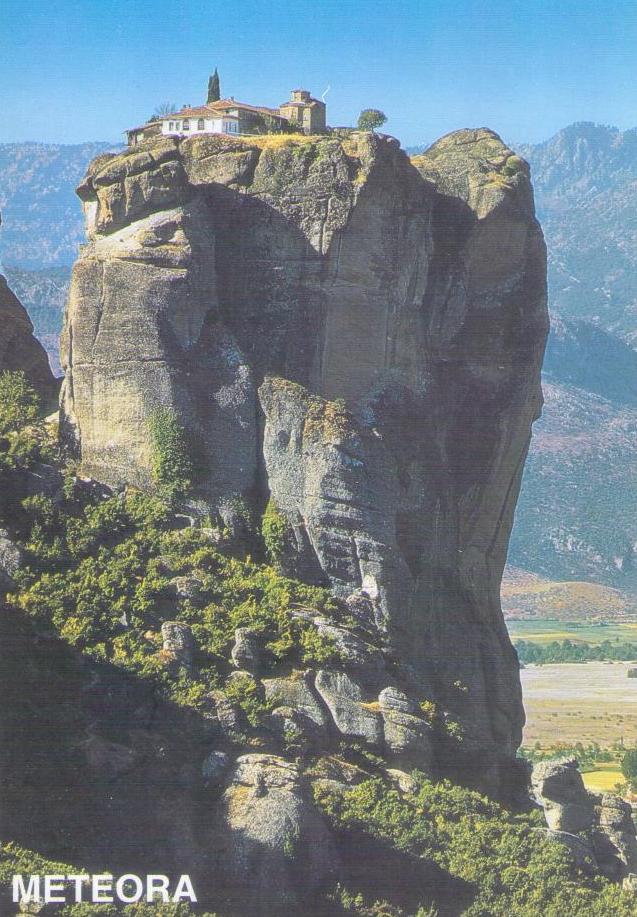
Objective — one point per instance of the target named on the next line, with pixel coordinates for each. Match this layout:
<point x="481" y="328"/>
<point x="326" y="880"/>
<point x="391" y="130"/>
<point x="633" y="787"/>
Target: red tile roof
<point x="202" y="111"/>
<point x="212" y="110"/>
<point x="233" y="103"/>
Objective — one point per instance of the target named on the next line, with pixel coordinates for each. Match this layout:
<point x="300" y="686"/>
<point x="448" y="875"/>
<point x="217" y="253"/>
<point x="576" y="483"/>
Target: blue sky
<point x="75" y="70"/>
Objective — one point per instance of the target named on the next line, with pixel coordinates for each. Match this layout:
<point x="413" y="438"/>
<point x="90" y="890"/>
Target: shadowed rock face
<point x="357" y="335"/>
<point x="19" y="349"/>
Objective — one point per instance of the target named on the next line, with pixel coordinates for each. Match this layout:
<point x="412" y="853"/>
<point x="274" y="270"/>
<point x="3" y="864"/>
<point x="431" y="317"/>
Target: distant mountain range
<point x="577" y="516"/>
<point x="42" y="226"/>
<point x="585" y="181"/>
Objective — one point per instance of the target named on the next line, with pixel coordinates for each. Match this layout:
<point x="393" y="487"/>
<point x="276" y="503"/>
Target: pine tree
<point x="214" y="91"/>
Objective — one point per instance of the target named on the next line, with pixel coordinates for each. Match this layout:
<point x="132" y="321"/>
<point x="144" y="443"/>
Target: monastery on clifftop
<point x="301" y="113"/>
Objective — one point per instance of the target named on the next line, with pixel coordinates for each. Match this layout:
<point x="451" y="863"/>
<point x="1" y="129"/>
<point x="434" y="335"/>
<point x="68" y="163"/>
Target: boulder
<point x="296" y="730"/>
<point x="581" y="849"/>
<point x="361" y="608"/>
<point x="230" y="717"/>
<point x="357" y="654"/>
<point x="297" y="691"/>
<point x="630" y="883"/>
<point x="247" y="652"/>
<point x="560" y="790"/>
<point x="215" y="765"/>
<point x="408" y="736"/>
<point x="11" y="560"/>
<point x="272" y="850"/>
<point x="110" y="759"/>
<point x="615" y="837"/>
<point x="352" y="715"/>
<point x="187" y="587"/>
<point x="178" y="642"/>
<point x="404" y="781"/>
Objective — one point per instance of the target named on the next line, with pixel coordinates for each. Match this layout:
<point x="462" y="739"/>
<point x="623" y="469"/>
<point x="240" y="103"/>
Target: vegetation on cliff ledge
<point x="499" y="865"/>
<point x="103" y="573"/>
<point x="172" y="463"/>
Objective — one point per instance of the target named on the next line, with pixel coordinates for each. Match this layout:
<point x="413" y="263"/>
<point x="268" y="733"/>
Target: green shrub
<point x="244" y="691"/>
<point x="19" y="403"/>
<point x="24" y="437"/>
<point x="512" y="869"/>
<point x="318" y="649"/>
<point x="512" y="166"/>
<point x="243" y="515"/>
<point x="99" y="575"/>
<point x="172" y="465"/>
<point x="275" y="530"/>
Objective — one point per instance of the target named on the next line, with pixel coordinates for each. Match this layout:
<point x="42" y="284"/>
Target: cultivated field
<point x="580" y="702"/>
<point x="545" y="630"/>
<point x="603" y="781"/>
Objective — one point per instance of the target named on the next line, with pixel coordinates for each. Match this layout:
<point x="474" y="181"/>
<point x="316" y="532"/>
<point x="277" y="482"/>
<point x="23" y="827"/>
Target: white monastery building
<point x="229" y="116"/>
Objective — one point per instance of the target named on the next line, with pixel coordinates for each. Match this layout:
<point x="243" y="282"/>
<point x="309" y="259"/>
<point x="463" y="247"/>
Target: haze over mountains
<point x="43" y="227"/>
<point x="577" y="515"/>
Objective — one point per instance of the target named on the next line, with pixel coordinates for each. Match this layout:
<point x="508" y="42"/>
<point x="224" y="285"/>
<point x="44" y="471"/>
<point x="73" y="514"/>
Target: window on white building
<point x="186" y="124"/>
<point x="200" y="124"/>
<point x="171" y="125"/>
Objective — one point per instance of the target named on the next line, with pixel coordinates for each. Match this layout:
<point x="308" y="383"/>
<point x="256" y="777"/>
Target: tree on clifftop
<point x="214" y="89"/>
<point x="371" y="118"/>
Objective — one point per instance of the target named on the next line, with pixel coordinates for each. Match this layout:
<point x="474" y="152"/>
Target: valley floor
<point x="580" y="702"/>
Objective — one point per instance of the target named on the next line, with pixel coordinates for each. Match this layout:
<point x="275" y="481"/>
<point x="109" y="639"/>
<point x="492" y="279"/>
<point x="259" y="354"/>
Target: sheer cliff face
<point x="19" y="349"/>
<point x="355" y="334"/>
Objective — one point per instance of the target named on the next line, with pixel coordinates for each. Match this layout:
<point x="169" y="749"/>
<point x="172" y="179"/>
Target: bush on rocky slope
<point x="107" y="573"/>
<point x="510" y="867"/>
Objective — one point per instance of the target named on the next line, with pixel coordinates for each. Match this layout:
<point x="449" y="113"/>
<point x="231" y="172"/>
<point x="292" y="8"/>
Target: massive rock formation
<point x="355" y="335"/>
<point x="598" y="828"/>
<point x="19" y="350"/>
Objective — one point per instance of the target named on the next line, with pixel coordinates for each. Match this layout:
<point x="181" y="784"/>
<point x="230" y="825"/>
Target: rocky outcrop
<point x="19" y="349"/>
<point x="598" y="829"/>
<point x="270" y="842"/>
<point x="178" y="643"/>
<point x="559" y="787"/>
<point x="11" y="559"/>
<point x="615" y="837"/>
<point x="358" y="337"/>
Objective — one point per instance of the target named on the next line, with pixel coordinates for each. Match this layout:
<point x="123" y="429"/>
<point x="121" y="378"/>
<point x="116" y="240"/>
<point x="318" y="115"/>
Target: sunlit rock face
<point x="358" y="336"/>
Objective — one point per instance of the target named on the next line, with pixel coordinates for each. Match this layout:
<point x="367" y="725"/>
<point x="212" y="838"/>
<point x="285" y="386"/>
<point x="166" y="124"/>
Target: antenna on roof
<point x="326" y="92"/>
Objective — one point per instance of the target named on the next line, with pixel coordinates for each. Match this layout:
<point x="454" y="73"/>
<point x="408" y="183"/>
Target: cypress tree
<point x="214" y="91"/>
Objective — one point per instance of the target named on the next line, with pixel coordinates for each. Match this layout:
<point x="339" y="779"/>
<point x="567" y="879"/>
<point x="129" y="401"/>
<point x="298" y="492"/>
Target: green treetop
<point x="371" y="118"/>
